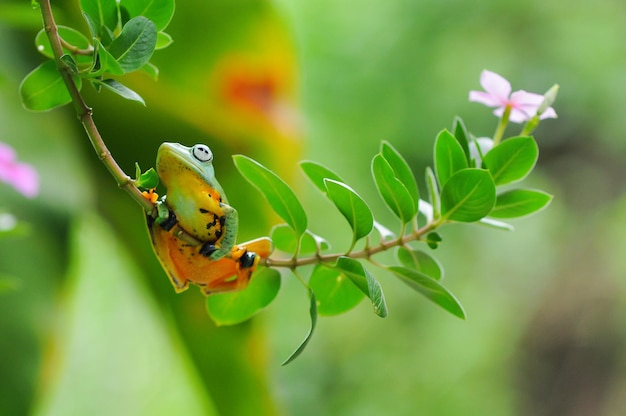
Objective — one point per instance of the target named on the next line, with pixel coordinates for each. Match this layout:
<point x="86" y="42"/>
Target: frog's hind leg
<point x="234" y="272"/>
<point x="228" y="275"/>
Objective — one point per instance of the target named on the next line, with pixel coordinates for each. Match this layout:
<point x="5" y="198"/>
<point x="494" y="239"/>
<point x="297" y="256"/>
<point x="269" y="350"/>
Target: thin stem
<point x="365" y="253"/>
<point x="530" y="126"/>
<point x="75" y="50"/>
<point x="504" y="120"/>
<point x="84" y="113"/>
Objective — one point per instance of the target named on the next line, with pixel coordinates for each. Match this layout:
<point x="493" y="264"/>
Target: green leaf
<point x="363" y="279"/>
<point x="107" y="312"/>
<point x="100" y="14"/>
<point x="235" y="307"/>
<point x="70" y="63"/>
<point x="71" y="36"/>
<point x="163" y="41"/>
<point x="152" y="70"/>
<point x="134" y="47"/>
<point x="449" y="156"/>
<point x="159" y="11"/>
<point x="285" y="239"/>
<point x="335" y="293"/>
<point x="279" y="195"/>
<point x="519" y="202"/>
<point x="433" y="193"/>
<point x="317" y="173"/>
<point x="146" y="180"/>
<point x="430" y="288"/>
<point x="433" y="239"/>
<point x="461" y="135"/>
<point x="392" y="190"/>
<point x="352" y="207"/>
<point x="104" y="62"/>
<point x="468" y="195"/>
<point x="119" y="89"/>
<point x="512" y="160"/>
<point x="43" y="89"/>
<point x="401" y="170"/>
<point x="420" y="261"/>
<point x="313" y="315"/>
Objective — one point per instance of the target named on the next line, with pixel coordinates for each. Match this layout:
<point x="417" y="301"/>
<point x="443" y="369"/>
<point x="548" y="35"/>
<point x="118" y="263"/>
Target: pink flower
<point x="20" y="176"/>
<point x="497" y="94"/>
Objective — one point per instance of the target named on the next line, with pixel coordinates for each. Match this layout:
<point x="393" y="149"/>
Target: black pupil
<point x="202" y="153"/>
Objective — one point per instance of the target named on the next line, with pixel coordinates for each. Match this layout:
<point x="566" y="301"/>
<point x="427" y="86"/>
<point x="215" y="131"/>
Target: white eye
<point x="202" y="153"/>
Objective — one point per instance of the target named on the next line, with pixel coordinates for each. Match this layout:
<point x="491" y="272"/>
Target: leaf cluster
<point x="123" y="36"/>
<point x="465" y="186"/>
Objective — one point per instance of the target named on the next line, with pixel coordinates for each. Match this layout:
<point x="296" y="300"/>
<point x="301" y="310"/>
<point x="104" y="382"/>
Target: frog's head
<point x="178" y="162"/>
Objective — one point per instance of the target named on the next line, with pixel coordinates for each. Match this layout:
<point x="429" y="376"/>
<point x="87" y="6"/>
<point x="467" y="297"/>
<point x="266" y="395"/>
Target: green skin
<point x="196" y="198"/>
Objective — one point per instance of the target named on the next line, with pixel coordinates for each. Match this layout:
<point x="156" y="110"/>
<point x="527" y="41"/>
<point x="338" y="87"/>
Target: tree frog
<point x="195" y="205"/>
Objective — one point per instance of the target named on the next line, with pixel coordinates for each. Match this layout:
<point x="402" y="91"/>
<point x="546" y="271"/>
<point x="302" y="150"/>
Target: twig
<point x="84" y="113"/>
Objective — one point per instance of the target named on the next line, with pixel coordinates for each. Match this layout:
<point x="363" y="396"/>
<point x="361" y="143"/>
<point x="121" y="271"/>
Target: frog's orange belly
<point x="184" y="264"/>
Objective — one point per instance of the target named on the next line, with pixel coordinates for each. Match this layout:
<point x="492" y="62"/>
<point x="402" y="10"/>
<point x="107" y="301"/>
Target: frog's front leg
<point x="228" y="221"/>
<point x="165" y="216"/>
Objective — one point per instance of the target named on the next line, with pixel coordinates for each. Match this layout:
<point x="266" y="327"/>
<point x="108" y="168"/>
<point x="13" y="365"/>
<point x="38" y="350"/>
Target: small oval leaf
<point x="279" y="195"/>
<point x="420" y="261"/>
<point x="100" y="14"/>
<point x="235" y="307"/>
<point x="148" y="179"/>
<point x="401" y="169"/>
<point x="134" y="47"/>
<point x="352" y="207"/>
<point x="335" y="293"/>
<point x="119" y="89"/>
<point x="519" y="202"/>
<point x="317" y="172"/>
<point x="104" y="62"/>
<point x="285" y="239"/>
<point x="461" y="135"/>
<point x="468" y="195"/>
<point x="43" y="88"/>
<point x="512" y="160"/>
<point x="392" y="190"/>
<point x="449" y="156"/>
<point x="430" y="288"/>
<point x="163" y="40"/>
<point x="159" y="11"/>
<point x="363" y="279"/>
<point x="433" y="239"/>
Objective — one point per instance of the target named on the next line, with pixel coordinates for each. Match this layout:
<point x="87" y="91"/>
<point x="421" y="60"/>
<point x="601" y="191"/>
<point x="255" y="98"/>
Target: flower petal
<point x="484" y="98"/>
<point x="25" y="180"/>
<point x="20" y="176"/>
<point x="495" y="85"/>
<point x="528" y="103"/>
<point x="524" y="98"/>
<point x="7" y="154"/>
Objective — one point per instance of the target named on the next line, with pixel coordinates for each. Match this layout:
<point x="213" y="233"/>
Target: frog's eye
<point x="202" y="153"/>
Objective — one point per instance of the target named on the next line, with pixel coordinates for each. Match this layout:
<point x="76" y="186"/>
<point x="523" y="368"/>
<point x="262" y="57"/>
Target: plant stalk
<point x="84" y="113"/>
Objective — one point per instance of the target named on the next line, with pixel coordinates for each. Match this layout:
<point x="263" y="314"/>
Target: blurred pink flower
<point x="20" y="176"/>
<point x="497" y="94"/>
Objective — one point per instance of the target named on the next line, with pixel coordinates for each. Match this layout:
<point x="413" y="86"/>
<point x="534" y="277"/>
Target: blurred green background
<point x="92" y="325"/>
